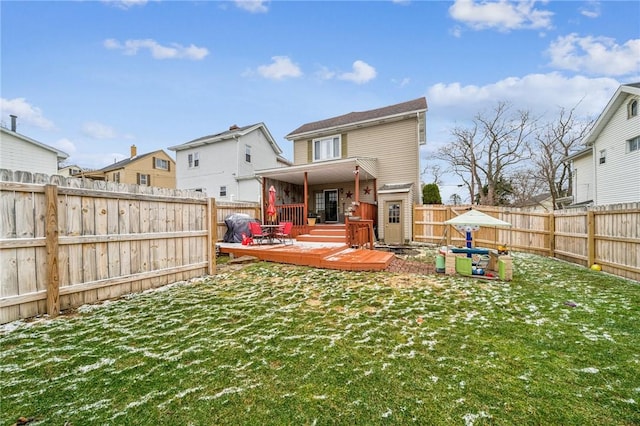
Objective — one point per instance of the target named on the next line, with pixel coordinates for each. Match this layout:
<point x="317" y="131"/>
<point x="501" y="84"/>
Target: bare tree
<point x="554" y="142"/>
<point x="435" y="170"/>
<point x="484" y="154"/>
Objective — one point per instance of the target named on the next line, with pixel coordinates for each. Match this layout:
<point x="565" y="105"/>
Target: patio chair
<point x="284" y="232"/>
<point x="256" y="232"/>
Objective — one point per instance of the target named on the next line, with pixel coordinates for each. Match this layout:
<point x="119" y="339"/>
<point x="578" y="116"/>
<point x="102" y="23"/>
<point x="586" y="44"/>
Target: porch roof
<point x="323" y="172"/>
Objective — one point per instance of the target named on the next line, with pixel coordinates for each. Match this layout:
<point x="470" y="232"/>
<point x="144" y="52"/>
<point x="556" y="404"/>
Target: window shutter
<point x="168" y="165"/>
<point x="138" y="178"/>
<point x="309" y="151"/>
<point x="343" y="148"/>
<point x="153" y="164"/>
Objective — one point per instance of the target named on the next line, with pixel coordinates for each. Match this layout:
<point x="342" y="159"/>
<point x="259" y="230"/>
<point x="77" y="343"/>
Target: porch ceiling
<point x="324" y="172"/>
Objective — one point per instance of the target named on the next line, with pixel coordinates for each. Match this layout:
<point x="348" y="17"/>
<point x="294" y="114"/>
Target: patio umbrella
<point x="271" y="208"/>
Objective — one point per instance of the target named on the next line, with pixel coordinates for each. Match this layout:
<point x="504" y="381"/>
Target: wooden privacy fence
<point x="606" y="235"/>
<point x="225" y="208"/>
<point x="68" y="242"/>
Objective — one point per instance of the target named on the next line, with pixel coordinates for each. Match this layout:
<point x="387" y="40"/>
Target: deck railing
<point x="367" y="211"/>
<point x="359" y="233"/>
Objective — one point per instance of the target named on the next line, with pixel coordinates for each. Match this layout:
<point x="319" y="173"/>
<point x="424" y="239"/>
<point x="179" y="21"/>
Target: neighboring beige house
<point x="71" y="170"/>
<point x="224" y="165"/>
<point x="155" y="168"/>
<point x="21" y="153"/>
<point x="364" y="164"/>
<point x="608" y="170"/>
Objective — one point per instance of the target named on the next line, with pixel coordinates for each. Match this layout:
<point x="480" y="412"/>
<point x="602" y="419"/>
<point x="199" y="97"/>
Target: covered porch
<point x="330" y="192"/>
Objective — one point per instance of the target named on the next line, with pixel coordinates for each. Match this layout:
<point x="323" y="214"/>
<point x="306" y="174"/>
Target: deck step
<point x="318" y="238"/>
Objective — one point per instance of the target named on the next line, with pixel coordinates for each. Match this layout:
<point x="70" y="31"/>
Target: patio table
<point x="270" y="231"/>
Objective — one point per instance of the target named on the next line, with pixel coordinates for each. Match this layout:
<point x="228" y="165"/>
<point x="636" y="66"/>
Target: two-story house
<point x="364" y="164"/>
<point x="21" y="153"/>
<point x="223" y="165"/>
<point x="607" y="171"/>
<point x="155" y="168"/>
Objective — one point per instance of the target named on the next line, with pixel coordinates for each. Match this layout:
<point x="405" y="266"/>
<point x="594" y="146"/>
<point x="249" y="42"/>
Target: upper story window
<point x="633" y="144"/>
<point x="247" y="153"/>
<point x="159" y="163"/>
<point x="632" y="108"/>
<point x="193" y="159"/>
<point x="116" y="177"/>
<point x="223" y="191"/>
<point x="328" y="148"/>
<point x="603" y="157"/>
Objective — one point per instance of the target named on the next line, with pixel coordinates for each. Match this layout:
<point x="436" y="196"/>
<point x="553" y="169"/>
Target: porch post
<point x="262" y="198"/>
<point x="356" y="172"/>
<point x="306" y="199"/>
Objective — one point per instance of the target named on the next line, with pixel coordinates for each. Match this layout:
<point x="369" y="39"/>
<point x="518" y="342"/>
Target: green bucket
<point x="440" y="263"/>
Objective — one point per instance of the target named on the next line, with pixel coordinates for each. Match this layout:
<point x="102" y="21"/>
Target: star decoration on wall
<point x="367" y="190"/>
<point x="349" y="194"/>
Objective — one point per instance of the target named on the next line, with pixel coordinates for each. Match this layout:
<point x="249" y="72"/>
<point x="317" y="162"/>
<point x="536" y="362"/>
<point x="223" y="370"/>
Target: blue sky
<point x="94" y="77"/>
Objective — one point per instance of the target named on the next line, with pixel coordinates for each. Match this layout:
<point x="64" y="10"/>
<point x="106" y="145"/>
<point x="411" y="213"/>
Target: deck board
<point x="329" y="257"/>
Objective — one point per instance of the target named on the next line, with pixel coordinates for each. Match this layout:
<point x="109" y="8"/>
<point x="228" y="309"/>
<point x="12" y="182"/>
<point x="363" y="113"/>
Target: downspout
<point x="237" y="166"/>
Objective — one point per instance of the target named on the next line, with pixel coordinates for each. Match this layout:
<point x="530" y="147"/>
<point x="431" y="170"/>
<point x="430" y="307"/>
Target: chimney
<point x="13" y="122"/>
<point x="234" y="127"/>
<point x="134" y="151"/>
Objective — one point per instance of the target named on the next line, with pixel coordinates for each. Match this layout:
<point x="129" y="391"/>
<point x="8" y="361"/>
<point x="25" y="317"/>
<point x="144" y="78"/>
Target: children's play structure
<point x="475" y="261"/>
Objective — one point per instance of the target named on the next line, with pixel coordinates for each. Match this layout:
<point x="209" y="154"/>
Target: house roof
<point x="123" y="163"/>
<point x="610" y="109"/>
<point x="362" y="117"/>
<point x="60" y="154"/>
<point x="233" y="131"/>
<point x="324" y="172"/>
<point x="581" y="153"/>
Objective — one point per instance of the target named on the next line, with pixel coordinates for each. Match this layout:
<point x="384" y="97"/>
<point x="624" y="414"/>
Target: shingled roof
<point x="415" y="105"/>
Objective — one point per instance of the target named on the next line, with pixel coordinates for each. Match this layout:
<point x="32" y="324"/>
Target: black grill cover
<point x="237" y="224"/>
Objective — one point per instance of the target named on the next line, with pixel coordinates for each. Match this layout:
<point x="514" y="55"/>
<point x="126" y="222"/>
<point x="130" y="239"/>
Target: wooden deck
<point x="333" y="256"/>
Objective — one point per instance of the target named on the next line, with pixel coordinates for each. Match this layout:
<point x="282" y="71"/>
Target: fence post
<point x="51" y="243"/>
<point x="212" y="219"/>
<point x="552" y="235"/>
<point x="447" y="216"/>
<point x="591" y="238"/>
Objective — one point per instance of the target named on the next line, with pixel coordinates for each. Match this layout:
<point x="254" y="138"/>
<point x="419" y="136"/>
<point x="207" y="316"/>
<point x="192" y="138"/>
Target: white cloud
<point x="158" y="51"/>
<point x="362" y="73"/>
<point x="325" y="73"/>
<point x="501" y="15"/>
<point x="125" y="4"/>
<point x="25" y="112"/>
<point x="65" y="145"/>
<point x="97" y="130"/>
<point x="253" y="6"/>
<point x="595" y="55"/>
<point x="282" y="67"/>
<point x="402" y="82"/>
<point x="591" y="9"/>
<point x="538" y="93"/>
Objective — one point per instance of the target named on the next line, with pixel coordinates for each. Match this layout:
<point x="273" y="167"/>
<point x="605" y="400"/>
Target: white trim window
<point x="193" y="160"/>
<point x="633" y="144"/>
<point x="161" y="163"/>
<point x="223" y="191"/>
<point x="247" y="153"/>
<point x="328" y="148"/>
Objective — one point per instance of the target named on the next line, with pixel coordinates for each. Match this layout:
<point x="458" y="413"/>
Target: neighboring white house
<point x="223" y="165"/>
<point x="608" y="170"/>
<point x="19" y="152"/>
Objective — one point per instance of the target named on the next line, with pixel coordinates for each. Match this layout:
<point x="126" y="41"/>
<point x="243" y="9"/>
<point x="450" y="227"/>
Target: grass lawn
<point x="276" y="344"/>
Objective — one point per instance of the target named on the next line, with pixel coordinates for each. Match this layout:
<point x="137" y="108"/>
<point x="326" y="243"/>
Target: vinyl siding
<point x="221" y="162"/>
<point x="583" y="184"/>
<point x="395" y="145"/>
<point x="17" y="154"/>
<point x="618" y="180"/>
